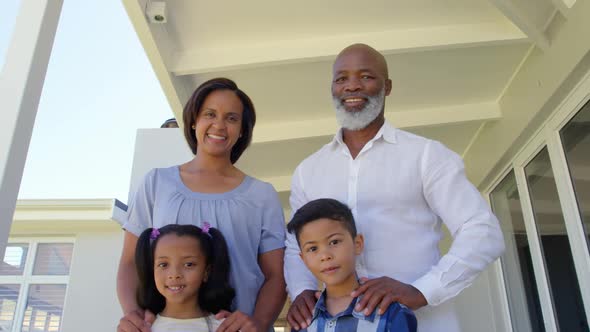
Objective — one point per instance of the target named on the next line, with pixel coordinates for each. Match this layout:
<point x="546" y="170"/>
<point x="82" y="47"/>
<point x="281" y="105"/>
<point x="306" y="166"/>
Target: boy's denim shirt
<point x="397" y="318"/>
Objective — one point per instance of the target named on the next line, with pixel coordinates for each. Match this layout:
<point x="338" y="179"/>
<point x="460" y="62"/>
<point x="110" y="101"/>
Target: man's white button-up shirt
<point x="400" y="187"/>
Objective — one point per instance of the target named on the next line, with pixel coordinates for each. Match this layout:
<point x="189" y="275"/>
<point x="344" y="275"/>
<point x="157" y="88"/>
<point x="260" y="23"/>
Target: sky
<point x="99" y="89"/>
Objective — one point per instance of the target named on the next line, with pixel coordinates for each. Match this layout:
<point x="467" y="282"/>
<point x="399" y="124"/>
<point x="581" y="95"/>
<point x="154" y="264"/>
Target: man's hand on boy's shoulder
<point x="381" y="292"/>
<point x="301" y="310"/>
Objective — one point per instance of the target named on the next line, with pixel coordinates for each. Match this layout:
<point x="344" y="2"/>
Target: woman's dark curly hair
<point x="195" y="102"/>
<point x="215" y="294"/>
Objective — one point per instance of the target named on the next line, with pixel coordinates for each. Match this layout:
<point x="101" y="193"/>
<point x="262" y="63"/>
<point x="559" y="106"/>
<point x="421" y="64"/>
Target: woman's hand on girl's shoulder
<point x="236" y="321"/>
<point x="136" y="321"/>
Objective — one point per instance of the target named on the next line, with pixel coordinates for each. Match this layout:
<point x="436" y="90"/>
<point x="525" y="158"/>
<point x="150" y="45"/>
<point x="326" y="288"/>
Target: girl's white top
<point x="202" y="324"/>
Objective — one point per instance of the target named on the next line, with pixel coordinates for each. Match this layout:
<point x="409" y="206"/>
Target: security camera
<point x="156" y="12"/>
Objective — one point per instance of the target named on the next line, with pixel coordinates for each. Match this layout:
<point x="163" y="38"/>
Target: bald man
<point x="400" y="187"/>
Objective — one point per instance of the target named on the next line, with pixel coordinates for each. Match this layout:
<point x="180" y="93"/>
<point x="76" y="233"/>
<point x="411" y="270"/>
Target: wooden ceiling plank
<point x="236" y="56"/>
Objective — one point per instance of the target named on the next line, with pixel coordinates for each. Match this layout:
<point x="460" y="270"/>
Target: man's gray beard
<point x="357" y="120"/>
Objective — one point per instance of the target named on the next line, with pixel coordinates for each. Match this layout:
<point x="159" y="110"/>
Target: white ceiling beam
<point x="21" y="83"/>
<point x="564" y="6"/>
<point x="237" y="56"/>
<point x="401" y="119"/>
<point x="524" y="21"/>
<point x="171" y="85"/>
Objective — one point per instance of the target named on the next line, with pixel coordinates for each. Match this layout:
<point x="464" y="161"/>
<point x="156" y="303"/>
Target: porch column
<point x="21" y="83"/>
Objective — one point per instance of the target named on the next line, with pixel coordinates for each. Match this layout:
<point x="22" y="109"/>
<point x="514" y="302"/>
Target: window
<point x="543" y="203"/>
<point x="555" y="244"/>
<point x="521" y="285"/>
<point x="33" y="280"/>
<point x="575" y="137"/>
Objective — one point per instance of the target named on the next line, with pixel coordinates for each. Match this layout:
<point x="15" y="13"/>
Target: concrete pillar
<point x="21" y="83"/>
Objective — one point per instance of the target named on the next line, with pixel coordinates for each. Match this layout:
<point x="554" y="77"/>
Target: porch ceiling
<point x="450" y="62"/>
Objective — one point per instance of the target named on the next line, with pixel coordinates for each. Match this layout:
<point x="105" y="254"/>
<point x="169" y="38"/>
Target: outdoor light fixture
<point x="156" y="12"/>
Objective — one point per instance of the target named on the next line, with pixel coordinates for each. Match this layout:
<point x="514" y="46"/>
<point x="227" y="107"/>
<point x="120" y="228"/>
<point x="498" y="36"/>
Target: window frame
<point x="548" y="135"/>
<point x="27" y="278"/>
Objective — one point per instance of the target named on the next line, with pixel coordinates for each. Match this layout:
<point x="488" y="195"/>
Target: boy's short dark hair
<point x="319" y="209"/>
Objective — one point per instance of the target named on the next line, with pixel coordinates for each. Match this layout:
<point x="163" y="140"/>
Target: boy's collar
<point x="320" y="307"/>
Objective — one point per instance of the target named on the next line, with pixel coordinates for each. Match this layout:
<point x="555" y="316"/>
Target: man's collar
<point x="389" y="132"/>
<point x="386" y="131"/>
<point x="320" y="308"/>
<point x="338" y="138"/>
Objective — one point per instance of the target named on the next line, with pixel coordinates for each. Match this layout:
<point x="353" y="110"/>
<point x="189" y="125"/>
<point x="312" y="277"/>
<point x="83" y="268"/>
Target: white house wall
<point x="475" y="307"/>
<point x="91" y="301"/>
<point x="157" y="148"/>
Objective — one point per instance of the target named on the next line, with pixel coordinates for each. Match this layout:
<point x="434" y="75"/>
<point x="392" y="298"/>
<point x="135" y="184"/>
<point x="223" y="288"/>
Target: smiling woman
<point x="218" y="123"/>
<point x="217" y="95"/>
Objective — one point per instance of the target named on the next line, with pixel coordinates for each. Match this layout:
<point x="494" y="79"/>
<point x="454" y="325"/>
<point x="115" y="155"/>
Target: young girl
<point x="183" y="275"/>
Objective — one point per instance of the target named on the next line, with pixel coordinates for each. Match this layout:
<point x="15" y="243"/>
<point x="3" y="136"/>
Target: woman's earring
<point x="193" y="126"/>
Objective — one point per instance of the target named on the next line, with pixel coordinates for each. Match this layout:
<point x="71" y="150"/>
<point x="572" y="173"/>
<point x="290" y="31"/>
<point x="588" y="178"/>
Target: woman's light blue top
<point x="250" y="217"/>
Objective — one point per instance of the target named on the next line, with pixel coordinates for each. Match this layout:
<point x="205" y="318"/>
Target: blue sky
<point x="99" y="89"/>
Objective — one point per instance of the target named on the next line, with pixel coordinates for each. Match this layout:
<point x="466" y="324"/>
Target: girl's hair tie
<point x="155" y="233"/>
<point x="206" y="227"/>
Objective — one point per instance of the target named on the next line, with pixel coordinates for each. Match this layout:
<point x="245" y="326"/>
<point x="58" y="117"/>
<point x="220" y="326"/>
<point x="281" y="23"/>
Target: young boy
<point x="329" y="244"/>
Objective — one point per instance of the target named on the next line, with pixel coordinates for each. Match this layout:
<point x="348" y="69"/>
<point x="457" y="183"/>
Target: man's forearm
<point x="270" y="302"/>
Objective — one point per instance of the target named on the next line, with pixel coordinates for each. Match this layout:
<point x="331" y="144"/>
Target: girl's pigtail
<point x="148" y="296"/>
<point x="216" y="293"/>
